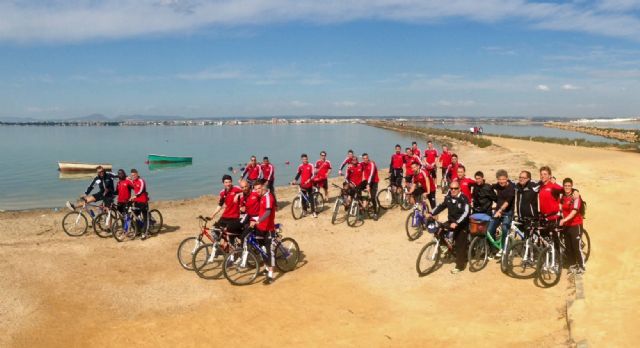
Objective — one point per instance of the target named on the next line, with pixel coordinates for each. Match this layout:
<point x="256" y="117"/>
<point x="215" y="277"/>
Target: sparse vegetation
<point x="443" y="135"/>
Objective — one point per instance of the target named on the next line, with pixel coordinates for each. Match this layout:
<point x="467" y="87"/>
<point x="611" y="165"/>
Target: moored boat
<point x="82" y="167"/>
<point x="168" y="159"/>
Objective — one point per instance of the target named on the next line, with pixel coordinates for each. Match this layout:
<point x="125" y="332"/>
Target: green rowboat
<point x="168" y="159"/>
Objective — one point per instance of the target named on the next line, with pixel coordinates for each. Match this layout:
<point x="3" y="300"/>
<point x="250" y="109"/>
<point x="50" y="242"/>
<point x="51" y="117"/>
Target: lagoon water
<point x="29" y="177"/>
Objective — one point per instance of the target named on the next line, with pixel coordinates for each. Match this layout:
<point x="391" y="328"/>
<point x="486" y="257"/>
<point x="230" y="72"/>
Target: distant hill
<point x="92" y="117"/>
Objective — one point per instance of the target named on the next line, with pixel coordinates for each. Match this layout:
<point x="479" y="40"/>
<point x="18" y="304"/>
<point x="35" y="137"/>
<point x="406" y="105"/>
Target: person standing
<point x="268" y="173"/>
<point x="483" y="196"/>
<point x="370" y="176"/>
<point x="445" y="160"/>
<point x="306" y="174"/>
<point x="252" y="171"/>
<point x="572" y="207"/>
<point x="430" y="158"/>
<point x="140" y="198"/>
<point x="346" y="162"/>
<point x="323" y="170"/>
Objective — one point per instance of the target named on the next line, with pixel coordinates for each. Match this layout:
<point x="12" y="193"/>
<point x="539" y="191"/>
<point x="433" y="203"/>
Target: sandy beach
<point x="354" y="287"/>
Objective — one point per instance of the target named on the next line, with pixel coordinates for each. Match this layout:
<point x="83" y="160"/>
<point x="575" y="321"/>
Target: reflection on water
<point x="154" y="166"/>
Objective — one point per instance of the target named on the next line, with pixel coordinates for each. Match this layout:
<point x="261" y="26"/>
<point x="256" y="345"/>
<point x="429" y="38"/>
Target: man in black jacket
<point x="527" y="199"/>
<point x="106" y="191"/>
<point x="483" y="195"/>
<point x="458" y="211"/>
<point x="505" y="191"/>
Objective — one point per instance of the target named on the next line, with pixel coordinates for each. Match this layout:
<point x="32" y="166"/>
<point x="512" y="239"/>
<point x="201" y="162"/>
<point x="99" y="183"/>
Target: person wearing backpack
<point x="573" y="209"/>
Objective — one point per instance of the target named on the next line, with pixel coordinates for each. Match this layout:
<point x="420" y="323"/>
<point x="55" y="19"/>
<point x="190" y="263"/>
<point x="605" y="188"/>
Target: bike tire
<point x="75" y="224"/>
<point x="206" y="263"/>
<point x="549" y="276"/>
<point x="386" y="199"/>
<point x="585" y="245"/>
<point x="296" y="208"/>
<point x="100" y="224"/>
<point x="240" y="275"/>
<point x="287" y="254"/>
<point x="444" y="186"/>
<point x="318" y="199"/>
<point x="431" y="257"/>
<point x="186" y="250"/>
<point x="406" y="204"/>
<point x="353" y="215"/>
<point x="413" y="232"/>
<point x="120" y="234"/>
<point x="478" y="254"/>
<point x="503" y="260"/>
<point x="336" y="210"/>
<point x="518" y="267"/>
<point x="154" y="223"/>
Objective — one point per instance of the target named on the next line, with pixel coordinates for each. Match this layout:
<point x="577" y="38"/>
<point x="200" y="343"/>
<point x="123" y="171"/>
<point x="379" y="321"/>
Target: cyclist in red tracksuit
<point x="123" y="190"/>
<point x="323" y="170"/>
<point x="445" y="160"/>
<point x="353" y="177"/>
<point x="572" y="222"/>
<point x="395" y="169"/>
<point x="409" y="159"/>
<point x="253" y="171"/>
<point x="230" y="200"/>
<point x="370" y="180"/>
<point x="266" y="230"/>
<point x="430" y="157"/>
<point x="465" y="183"/>
<point x="140" y="197"/>
<point x="415" y="150"/>
<point x="346" y="162"/>
<point x="306" y="174"/>
<point x="268" y="173"/>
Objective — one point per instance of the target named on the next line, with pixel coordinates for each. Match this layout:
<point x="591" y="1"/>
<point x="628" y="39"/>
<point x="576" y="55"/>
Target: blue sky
<point x="380" y="57"/>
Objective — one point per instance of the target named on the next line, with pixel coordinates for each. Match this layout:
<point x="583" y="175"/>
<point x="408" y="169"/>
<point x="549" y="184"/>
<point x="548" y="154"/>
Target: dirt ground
<point x="354" y="287"/>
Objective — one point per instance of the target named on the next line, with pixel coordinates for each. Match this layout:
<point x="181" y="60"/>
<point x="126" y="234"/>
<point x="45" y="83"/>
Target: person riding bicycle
<point x="445" y="160"/>
<point x="306" y="174"/>
<point x="395" y="169"/>
<point x="140" y="198"/>
<point x="420" y="187"/>
<point x="370" y="182"/>
<point x="268" y="173"/>
<point x="229" y="199"/>
<point x="252" y="171"/>
<point x="430" y="156"/>
<point x="483" y="196"/>
<point x="458" y="211"/>
<point x="505" y="192"/>
<point x="266" y="230"/>
<point x="123" y="190"/>
<point x="323" y="170"/>
<point x="106" y="192"/>
<point x="346" y="162"/>
<point x="572" y="222"/>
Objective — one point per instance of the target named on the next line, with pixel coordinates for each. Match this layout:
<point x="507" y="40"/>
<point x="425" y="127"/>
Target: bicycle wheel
<point x="186" y="250"/>
<point x="444" y="186"/>
<point x="296" y="208"/>
<point x="428" y="259"/>
<point x="318" y="199"/>
<point x="405" y="202"/>
<point x="585" y="245"/>
<point x="287" y="254"/>
<point x="237" y="273"/>
<point x="102" y="224"/>
<point x="123" y="231"/>
<point x="413" y="226"/>
<point x="521" y="259"/>
<point x="155" y="221"/>
<point x="503" y="260"/>
<point x="549" y="267"/>
<point x="75" y="224"/>
<point x="336" y="210"/>
<point x="478" y="253"/>
<point x="386" y="198"/>
<point x="207" y="261"/>
<point x="353" y="215"/>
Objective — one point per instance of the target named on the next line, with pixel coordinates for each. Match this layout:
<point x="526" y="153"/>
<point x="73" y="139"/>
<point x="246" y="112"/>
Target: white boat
<point x="82" y="167"/>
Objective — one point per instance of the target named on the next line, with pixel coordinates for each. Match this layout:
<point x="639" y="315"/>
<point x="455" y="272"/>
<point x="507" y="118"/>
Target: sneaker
<point x="455" y="271"/>
<point x="143" y="236"/>
<point x="268" y="280"/>
<point x="580" y="271"/>
<point x="315" y="216"/>
<point x="70" y="206"/>
<point x="375" y="217"/>
<point x="499" y="254"/>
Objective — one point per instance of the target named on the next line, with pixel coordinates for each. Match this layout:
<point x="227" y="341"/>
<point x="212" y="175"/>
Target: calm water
<point x="29" y="155"/>
<point x="521" y="130"/>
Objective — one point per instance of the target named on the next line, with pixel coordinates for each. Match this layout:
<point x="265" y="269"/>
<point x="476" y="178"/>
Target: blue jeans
<point x="505" y="221"/>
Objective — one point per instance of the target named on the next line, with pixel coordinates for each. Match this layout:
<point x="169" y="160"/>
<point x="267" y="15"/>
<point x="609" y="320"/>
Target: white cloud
<point x="570" y="87"/>
<point x="81" y="20"/>
<point x="345" y="103"/>
<point x="543" y="88"/>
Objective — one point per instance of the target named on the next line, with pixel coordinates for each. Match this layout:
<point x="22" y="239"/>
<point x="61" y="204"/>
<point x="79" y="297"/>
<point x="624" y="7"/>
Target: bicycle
<point x="132" y="223"/>
<point x="358" y="207"/>
<point x="297" y="210"/>
<point x="389" y="197"/>
<point x="342" y="201"/>
<point x="75" y="223"/>
<point x="549" y="263"/>
<point x="242" y="266"/>
<point x="585" y="246"/>
<point x="208" y="257"/>
<point x="442" y="247"/>
<point x="188" y="246"/>
<point x="483" y="246"/>
<point x="521" y="256"/>
<point x="103" y="222"/>
<point x="417" y="220"/>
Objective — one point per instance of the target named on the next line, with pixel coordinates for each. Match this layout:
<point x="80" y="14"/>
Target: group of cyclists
<point x="129" y="190"/>
<point x="251" y="206"/>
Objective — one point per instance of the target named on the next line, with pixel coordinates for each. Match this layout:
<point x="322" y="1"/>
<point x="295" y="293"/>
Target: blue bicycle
<point x="417" y="221"/>
<point x="242" y="266"/>
<point x="302" y="199"/>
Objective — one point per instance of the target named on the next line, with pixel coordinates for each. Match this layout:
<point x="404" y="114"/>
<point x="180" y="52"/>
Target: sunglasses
<point x="454" y="188"/>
